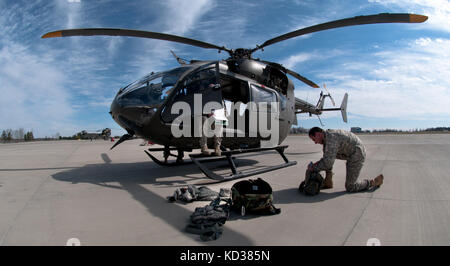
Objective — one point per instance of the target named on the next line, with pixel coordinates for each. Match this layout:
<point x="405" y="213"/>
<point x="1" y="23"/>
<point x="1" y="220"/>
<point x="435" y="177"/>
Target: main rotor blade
<point x="359" y="20"/>
<point x="302" y="78"/>
<point x="131" y="33"/>
<point x="292" y="73"/>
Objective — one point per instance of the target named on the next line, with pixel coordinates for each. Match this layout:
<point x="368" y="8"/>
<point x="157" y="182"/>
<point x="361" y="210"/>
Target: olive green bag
<point x="253" y="196"/>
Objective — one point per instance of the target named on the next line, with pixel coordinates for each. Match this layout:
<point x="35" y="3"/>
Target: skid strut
<point x="200" y="159"/>
<point x="167" y="153"/>
<point x="179" y="160"/>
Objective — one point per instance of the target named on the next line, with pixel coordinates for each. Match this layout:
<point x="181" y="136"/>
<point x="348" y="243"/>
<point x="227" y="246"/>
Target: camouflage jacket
<point x="338" y="144"/>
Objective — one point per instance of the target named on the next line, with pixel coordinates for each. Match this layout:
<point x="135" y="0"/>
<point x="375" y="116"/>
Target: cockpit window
<point x="151" y="90"/>
<point x="202" y="81"/>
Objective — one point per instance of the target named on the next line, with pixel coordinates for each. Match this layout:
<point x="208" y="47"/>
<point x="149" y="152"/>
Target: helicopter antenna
<point x="179" y="60"/>
<point x="320" y="120"/>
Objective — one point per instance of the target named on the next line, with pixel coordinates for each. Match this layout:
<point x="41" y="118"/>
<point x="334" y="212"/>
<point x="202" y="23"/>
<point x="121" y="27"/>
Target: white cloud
<point x="181" y="16"/>
<point x="293" y="60"/>
<point x="177" y="17"/>
<point x="324" y="12"/>
<point x="33" y="93"/>
<point x="438" y="11"/>
<point x="101" y="101"/>
<point x="40" y="79"/>
<point x="413" y="82"/>
<point x="71" y="12"/>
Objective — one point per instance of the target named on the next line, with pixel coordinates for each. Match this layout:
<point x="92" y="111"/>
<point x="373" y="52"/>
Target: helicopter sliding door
<point x="265" y="110"/>
<point x="235" y="93"/>
<point x="194" y="91"/>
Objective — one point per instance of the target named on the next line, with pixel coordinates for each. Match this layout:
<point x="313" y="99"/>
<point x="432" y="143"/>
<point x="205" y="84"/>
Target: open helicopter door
<point x="209" y="98"/>
<point x="267" y="97"/>
<point x="197" y="89"/>
<point x="264" y="115"/>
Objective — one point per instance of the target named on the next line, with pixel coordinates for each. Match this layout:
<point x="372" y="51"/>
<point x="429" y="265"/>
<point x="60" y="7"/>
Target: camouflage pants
<point x="354" y="165"/>
<point x="217" y="138"/>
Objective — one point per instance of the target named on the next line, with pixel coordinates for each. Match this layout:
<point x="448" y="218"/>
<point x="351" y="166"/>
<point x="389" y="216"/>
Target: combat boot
<point x="217" y="151"/>
<point x="377" y="181"/>
<point x="204" y="150"/>
<point x="328" y="182"/>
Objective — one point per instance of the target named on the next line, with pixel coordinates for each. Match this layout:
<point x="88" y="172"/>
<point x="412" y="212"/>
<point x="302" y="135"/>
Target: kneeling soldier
<point x="343" y="145"/>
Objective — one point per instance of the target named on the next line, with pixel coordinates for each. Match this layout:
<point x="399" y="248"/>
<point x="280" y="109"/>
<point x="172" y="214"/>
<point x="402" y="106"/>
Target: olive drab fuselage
<point x="144" y="107"/>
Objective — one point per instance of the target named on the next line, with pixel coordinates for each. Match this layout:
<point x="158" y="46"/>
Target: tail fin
<point x="344" y="108"/>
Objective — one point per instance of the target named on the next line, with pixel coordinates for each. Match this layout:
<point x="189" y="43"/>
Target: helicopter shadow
<point x="132" y="177"/>
<point x="141" y="172"/>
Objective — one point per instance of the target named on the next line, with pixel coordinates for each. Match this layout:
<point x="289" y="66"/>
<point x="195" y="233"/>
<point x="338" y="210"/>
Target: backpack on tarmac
<point x="312" y="183"/>
<point x="253" y="196"/>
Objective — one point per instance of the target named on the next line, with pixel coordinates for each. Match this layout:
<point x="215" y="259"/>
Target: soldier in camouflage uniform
<point x="343" y="145"/>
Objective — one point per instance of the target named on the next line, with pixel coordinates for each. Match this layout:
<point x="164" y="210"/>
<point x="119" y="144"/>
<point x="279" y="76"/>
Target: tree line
<point x="17" y="134"/>
<point x="301" y="130"/>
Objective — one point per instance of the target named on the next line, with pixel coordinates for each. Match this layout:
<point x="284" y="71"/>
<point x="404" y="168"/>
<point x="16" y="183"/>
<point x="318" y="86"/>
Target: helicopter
<point x="144" y="108"/>
<point x="104" y="134"/>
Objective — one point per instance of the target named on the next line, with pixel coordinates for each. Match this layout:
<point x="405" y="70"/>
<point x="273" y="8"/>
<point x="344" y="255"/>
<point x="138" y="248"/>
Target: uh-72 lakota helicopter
<point x="144" y="107"/>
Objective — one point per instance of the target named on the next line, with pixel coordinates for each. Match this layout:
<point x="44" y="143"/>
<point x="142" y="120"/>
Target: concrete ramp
<point x="51" y="192"/>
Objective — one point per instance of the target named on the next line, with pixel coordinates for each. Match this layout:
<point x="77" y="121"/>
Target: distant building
<point x="356" y="130"/>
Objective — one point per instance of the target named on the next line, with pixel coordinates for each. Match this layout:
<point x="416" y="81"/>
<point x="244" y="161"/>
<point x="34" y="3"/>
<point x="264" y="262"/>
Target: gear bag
<point x="193" y="193"/>
<point x="312" y="183"/>
<point x="253" y="196"/>
<point x="208" y="221"/>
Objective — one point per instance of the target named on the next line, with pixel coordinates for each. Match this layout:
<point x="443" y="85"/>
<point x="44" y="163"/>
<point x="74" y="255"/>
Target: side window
<point x="260" y="95"/>
<point x="196" y="82"/>
<point x="168" y="83"/>
<point x="199" y="82"/>
<point x="283" y="102"/>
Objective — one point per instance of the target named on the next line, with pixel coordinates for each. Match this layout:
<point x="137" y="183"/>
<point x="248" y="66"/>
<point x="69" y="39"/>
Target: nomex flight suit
<point x="344" y="145"/>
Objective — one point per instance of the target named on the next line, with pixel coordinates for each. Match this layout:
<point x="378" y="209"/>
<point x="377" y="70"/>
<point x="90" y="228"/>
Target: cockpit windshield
<point x="151" y="90"/>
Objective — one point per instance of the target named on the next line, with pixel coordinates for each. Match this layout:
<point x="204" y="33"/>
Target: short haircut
<point x="314" y="130"/>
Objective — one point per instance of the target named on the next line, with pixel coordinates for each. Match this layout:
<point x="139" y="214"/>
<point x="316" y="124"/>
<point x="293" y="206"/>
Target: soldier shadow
<point x="292" y="195"/>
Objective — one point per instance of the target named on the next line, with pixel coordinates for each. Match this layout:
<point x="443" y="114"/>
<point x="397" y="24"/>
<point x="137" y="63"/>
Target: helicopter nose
<point x="117" y="112"/>
<point x="115" y="109"/>
<point x="126" y="117"/>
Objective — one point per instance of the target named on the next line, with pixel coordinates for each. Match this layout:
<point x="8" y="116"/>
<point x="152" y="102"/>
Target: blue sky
<point x="397" y="75"/>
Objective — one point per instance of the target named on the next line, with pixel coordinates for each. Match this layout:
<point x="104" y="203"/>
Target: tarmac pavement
<point x="54" y="191"/>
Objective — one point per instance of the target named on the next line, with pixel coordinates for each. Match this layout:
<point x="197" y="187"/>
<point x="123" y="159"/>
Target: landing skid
<point x="179" y="161"/>
<point x="167" y="153"/>
<point x="200" y="159"/>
